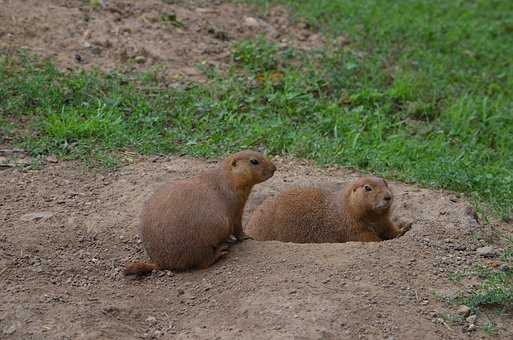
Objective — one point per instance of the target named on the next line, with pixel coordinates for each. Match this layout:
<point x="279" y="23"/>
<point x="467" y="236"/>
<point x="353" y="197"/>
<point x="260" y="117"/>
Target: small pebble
<point x="140" y="59"/>
<point x="10" y="330"/>
<point x="151" y="320"/>
<point x="487" y="251"/>
<point x="463" y="311"/>
<point x="472" y="319"/>
<point x="251" y="22"/>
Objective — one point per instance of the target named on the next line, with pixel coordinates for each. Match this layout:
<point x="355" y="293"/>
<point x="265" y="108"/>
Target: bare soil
<point x="66" y="234"/>
<point x="136" y="35"/>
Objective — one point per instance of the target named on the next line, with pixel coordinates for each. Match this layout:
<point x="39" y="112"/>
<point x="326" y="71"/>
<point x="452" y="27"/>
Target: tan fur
<point x="316" y="215"/>
<point x="185" y="222"/>
<point x="140" y="268"/>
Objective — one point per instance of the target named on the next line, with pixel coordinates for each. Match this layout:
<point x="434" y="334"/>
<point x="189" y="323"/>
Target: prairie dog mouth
<point x="383" y="204"/>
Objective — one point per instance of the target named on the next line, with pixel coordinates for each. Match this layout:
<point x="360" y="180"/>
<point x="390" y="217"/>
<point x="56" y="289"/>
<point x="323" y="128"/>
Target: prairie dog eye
<point x="367" y="188"/>
<point x="254" y="161"/>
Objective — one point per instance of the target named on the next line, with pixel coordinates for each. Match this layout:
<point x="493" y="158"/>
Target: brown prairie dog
<point x="358" y="212"/>
<point x="185" y="222"/>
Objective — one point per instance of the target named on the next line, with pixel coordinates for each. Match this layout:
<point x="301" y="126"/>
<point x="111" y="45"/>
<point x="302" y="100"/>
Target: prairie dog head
<point x="371" y="194"/>
<point x="249" y="167"/>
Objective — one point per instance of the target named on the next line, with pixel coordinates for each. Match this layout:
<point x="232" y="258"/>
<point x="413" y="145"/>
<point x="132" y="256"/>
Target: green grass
<point x="496" y="287"/>
<point x="490" y="328"/>
<point x="423" y="93"/>
<point x="493" y="293"/>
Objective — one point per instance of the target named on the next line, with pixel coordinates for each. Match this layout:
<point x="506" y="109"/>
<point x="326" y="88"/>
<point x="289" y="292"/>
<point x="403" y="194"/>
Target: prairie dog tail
<point x="140" y="268"/>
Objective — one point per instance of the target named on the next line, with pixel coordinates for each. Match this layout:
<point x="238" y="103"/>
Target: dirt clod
<point x="487" y="251"/>
<point x="463" y="311"/>
<point x="471" y="328"/>
<point x="471" y="319"/>
<point x="140" y="59"/>
<point x="151" y="320"/>
<point x="9" y="330"/>
<point x="36" y="216"/>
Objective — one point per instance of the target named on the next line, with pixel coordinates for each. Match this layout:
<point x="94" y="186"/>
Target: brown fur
<point x="315" y="215"/>
<point x="185" y="222"/>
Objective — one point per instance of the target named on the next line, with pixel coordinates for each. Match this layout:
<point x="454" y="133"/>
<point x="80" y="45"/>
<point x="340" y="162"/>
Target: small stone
<point x="151" y="320"/>
<point x="11" y="151"/>
<point x="140" y="59"/>
<point x="4" y="162"/>
<point x="463" y="311"/>
<point x="191" y="71"/>
<point x="52" y="159"/>
<point x="487" y="251"/>
<point x="10" y="330"/>
<point x="438" y="320"/>
<point x="504" y="268"/>
<point x="471" y="328"/>
<point x="23" y="161"/>
<point x="472" y="319"/>
<point x="471" y="212"/>
<point x="251" y="22"/>
<point x="43" y="215"/>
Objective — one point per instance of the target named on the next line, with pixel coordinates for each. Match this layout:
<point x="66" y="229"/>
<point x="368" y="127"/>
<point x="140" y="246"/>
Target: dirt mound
<point x="138" y="34"/>
<point x="66" y="235"/>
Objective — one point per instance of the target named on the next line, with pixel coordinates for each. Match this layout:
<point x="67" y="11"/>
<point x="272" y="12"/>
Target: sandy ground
<point x="66" y="235"/>
<point x="136" y="35"/>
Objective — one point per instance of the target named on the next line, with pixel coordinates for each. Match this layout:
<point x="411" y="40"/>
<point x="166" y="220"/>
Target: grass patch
<point x="490" y="328"/>
<point x="496" y="288"/>
<point x="424" y="97"/>
<point x="443" y="67"/>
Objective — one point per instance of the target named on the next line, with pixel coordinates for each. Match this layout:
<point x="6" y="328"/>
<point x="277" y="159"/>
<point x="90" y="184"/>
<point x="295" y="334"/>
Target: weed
<point x="496" y="287"/>
<point x="171" y="19"/>
<point x="457" y="277"/>
<point x="451" y="319"/>
<point x="97" y="4"/>
<point x="490" y="328"/>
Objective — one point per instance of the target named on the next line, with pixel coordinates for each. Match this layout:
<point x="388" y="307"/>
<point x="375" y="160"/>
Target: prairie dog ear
<point x="234" y="162"/>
